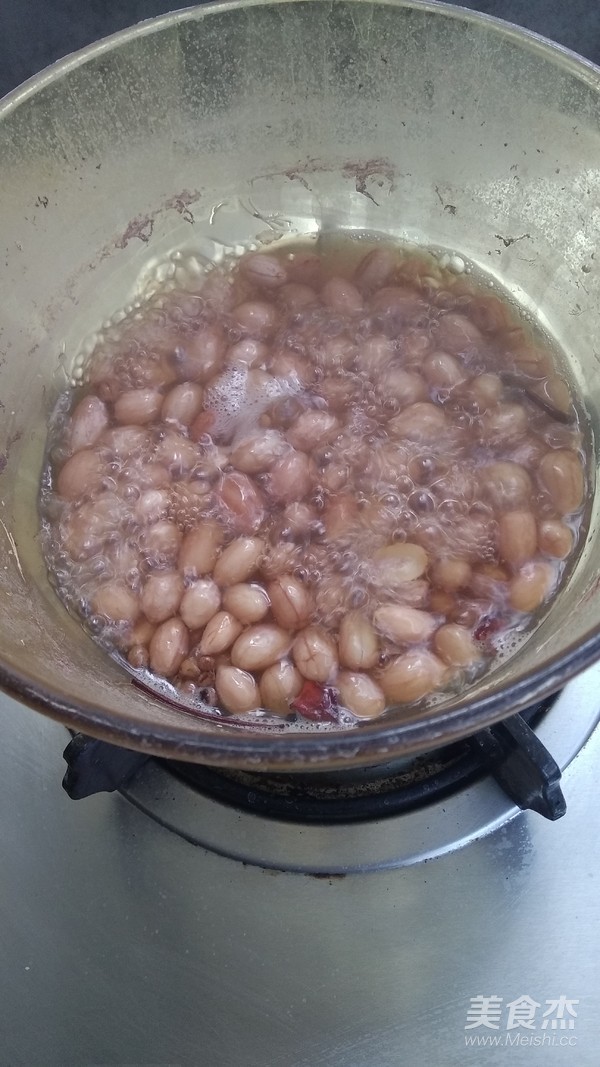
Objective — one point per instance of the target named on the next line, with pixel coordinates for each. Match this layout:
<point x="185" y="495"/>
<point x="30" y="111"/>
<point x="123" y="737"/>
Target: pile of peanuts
<point x="314" y="482"/>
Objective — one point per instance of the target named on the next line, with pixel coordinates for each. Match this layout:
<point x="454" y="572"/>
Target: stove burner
<point x="463" y="810"/>
<point x="510" y="751"/>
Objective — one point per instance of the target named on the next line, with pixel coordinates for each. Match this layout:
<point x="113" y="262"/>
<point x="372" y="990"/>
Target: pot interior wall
<point x="207" y="129"/>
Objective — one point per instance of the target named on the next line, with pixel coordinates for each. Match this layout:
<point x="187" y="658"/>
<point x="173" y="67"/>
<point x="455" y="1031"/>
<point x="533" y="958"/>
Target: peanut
<point x="200" y="549"/>
<point x="291" y="602"/>
<point x="404" y="624"/>
<point x="517" y="536"/>
<point x="315" y="654"/>
<point x="249" y="603"/>
<point x="455" y="645"/>
<point x="263" y="270"/>
<point x="81" y="474"/>
<point x="239" y="560"/>
<point x="259" y="452"/>
<point x="169" y="647"/>
<point x="138" y="406"/>
<point x="256" y="319"/>
<point x="561" y="475"/>
<point x="360" y="694"/>
<point x="419" y="422"/>
<point x="505" y="485"/>
<point x="260" y="646"/>
<point x="236" y="690"/>
<point x="199" y="603"/>
<point x="161" y="595"/>
<point x="116" y="602"/>
<point x="88" y="420"/>
<point x="341" y="295"/>
<point x="555" y="538"/>
<point x="279" y="684"/>
<point x="451" y="574"/>
<point x="411" y="676"/>
<point x="358" y="645"/>
<point x="182" y="403"/>
<point x="531" y="586"/>
<point x="219" y="634"/>
<point x="399" y="563"/>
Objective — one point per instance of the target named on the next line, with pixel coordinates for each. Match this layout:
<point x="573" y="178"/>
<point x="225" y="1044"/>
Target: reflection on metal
<point x="138" y="948"/>
<point x="396" y="841"/>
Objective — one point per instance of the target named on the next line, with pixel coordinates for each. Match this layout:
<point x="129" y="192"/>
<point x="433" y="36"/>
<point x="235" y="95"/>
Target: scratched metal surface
<point x="123" y="944"/>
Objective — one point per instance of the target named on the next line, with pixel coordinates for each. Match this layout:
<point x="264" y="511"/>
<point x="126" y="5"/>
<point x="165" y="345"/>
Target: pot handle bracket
<point x="510" y="751"/>
<point x="522" y="766"/>
<point x="98" y="767"/>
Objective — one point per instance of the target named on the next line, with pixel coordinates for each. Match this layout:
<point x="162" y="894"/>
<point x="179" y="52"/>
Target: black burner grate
<point x="510" y="751"/>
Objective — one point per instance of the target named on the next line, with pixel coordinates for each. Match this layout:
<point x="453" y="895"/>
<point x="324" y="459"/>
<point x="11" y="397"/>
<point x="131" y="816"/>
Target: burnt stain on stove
<point x="370" y="170"/>
<point x="328" y="877"/>
<point x="450" y="208"/>
<point x="140" y="228"/>
<point x="181" y="204"/>
<point x="11" y="440"/>
<point x="297" y="176"/>
<point x="508" y="241"/>
<point x="377" y="170"/>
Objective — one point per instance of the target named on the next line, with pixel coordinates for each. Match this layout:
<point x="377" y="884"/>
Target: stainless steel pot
<point x="208" y="128"/>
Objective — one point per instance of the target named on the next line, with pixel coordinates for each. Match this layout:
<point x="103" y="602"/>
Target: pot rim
<point x="362" y="745"/>
<point x="373" y="742"/>
<point x="55" y="70"/>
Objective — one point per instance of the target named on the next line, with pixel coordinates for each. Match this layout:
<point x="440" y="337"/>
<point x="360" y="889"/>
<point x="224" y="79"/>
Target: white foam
<point x="238" y="398"/>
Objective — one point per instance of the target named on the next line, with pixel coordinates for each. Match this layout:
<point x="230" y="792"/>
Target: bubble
<point x="391" y="500"/>
<point x="424" y="468"/>
<point x="429" y="501"/>
<point x="421" y="502"/>
<point x="451" y="509"/>
<point x="456" y="264"/>
<point x="404" y="484"/>
<point x="358" y="597"/>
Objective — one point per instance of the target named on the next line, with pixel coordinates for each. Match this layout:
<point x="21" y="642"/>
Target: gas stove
<point x="349" y="811"/>
<point x="165" y="925"/>
<point x="176" y="923"/>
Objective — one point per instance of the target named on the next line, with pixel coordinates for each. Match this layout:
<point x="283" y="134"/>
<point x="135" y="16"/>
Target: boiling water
<point x="314" y="482"/>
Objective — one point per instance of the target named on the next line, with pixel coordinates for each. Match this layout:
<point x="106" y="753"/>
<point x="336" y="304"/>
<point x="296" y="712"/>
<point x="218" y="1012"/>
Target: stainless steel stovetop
<point x="122" y="944"/>
<point x="125" y="944"/>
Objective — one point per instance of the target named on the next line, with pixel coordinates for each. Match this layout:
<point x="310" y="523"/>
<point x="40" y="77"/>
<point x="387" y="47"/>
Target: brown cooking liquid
<point x="314" y="484"/>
